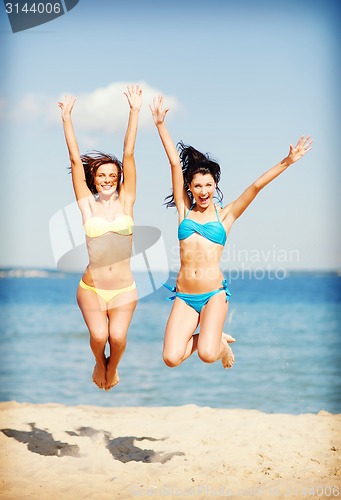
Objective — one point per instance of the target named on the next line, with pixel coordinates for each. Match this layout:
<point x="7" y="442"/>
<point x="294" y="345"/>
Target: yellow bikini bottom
<point x="107" y="295"/>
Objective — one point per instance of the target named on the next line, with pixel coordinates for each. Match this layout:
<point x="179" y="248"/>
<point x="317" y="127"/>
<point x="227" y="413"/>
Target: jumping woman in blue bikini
<point x="201" y="291"/>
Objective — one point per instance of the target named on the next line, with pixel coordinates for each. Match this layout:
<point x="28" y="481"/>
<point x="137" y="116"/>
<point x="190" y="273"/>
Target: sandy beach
<point x="52" y="451"/>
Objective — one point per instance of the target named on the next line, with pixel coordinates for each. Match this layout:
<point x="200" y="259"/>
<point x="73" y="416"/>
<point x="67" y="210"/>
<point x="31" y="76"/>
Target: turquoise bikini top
<point x="213" y="231"/>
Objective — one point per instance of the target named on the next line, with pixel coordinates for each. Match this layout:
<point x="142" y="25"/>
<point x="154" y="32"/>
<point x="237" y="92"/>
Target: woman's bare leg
<point x="180" y="341"/>
<point x="120" y="313"/>
<point x="212" y="345"/>
<point x="193" y="343"/>
<point x="95" y="316"/>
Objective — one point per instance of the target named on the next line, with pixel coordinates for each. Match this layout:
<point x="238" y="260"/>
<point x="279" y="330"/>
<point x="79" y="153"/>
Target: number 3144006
<point x="33" y="8"/>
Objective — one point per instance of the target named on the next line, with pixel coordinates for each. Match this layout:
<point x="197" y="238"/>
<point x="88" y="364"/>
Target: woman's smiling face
<point x="106" y="179"/>
<point x="202" y="187"/>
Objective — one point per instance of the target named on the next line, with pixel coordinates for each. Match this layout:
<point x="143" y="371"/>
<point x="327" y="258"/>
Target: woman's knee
<point x="172" y="359"/>
<point x="117" y="339"/>
<point x="207" y="354"/>
<point x="98" y="336"/>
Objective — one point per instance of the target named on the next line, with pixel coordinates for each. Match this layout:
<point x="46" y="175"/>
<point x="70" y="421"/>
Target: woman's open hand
<point x="66" y="106"/>
<point x="157" y="112"/>
<point x="134" y="96"/>
<point x="301" y="148"/>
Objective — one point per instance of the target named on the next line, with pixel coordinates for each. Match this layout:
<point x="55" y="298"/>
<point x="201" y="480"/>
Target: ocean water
<point x="287" y="351"/>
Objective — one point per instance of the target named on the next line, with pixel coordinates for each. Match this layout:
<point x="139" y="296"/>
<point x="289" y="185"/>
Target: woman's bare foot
<point x="229" y="339"/>
<point x="112" y="377"/>
<point x="98" y="375"/>
<point x="228" y="358"/>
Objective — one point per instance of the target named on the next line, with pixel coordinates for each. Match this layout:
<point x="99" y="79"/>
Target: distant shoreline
<point x="36" y="272"/>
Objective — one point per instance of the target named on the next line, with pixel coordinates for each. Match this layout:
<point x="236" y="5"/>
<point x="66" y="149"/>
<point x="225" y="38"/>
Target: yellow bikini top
<point x="97" y="226"/>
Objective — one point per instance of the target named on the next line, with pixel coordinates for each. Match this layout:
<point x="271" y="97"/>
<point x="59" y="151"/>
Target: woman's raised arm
<point x="180" y="195"/>
<point x="78" y="176"/>
<point x="134" y="96"/>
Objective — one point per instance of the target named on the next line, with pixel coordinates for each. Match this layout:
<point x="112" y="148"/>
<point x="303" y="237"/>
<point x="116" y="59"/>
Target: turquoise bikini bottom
<point x="198" y="300"/>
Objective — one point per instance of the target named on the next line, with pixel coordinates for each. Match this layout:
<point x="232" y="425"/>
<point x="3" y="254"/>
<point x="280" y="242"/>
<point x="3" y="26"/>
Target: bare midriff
<point x="199" y="270"/>
<point x="109" y="261"/>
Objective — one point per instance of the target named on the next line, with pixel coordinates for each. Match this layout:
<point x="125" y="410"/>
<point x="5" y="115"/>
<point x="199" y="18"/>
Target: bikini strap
<point x="171" y="289"/>
<point x="188" y="211"/>
<point x="216" y="211"/>
<point x="226" y="288"/>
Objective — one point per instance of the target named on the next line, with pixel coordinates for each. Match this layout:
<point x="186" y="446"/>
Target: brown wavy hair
<point x="91" y="163"/>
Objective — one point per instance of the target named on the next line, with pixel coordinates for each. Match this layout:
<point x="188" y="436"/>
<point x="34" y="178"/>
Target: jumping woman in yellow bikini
<point x="201" y="292"/>
<point x="105" y="190"/>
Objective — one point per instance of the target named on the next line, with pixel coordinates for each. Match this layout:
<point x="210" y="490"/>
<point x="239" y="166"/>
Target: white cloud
<point x="103" y="110"/>
<point x="30" y="107"/>
<point x="106" y="109"/>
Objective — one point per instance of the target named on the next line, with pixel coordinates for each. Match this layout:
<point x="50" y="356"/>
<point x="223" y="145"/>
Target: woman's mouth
<point x="203" y="199"/>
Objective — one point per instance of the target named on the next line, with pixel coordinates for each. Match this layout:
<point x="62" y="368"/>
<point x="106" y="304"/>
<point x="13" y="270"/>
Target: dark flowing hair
<point x="193" y="162"/>
<point x="91" y="163"/>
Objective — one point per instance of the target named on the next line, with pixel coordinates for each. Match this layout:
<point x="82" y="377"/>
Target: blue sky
<point x="243" y="79"/>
